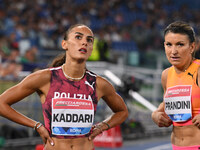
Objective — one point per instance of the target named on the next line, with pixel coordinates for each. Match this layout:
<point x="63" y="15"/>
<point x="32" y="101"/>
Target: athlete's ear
<point x="193" y="46"/>
<point x="64" y="44"/>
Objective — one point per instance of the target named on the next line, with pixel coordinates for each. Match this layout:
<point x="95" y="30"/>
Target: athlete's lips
<point x="174" y="58"/>
<point x="83" y="50"/>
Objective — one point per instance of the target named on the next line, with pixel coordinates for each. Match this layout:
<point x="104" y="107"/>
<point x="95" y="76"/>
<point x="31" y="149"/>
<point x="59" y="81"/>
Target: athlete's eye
<point x="180" y="44"/>
<point x="168" y="44"/>
<point x="90" y="40"/>
<point x="78" y="37"/>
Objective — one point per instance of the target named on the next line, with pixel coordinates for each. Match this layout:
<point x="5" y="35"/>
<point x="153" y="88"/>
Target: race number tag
<point x="71" y="116"/>
<point x="178" y="103"/>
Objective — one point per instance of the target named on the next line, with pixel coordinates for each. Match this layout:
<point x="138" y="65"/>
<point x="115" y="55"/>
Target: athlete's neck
<point x="185" y="67"/>
<point x="74" y="73"/>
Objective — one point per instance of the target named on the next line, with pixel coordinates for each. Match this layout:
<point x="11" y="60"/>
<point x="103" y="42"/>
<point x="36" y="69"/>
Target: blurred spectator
<point x="10" y="67"/>
<point x="30" y="55"/>
<point x="14" y="55"/>
<point x="12" y="40"/>
<point x="100" y="48"/>
<point x="30" y="59"/>
<point x="10" y="70"/>
<point x="4" y="47"/>
<point x="103" y="47"/>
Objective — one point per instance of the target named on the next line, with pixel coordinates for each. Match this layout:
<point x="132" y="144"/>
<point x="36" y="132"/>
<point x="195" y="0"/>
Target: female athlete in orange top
<point x="69" y="94"/>
<point x="181" y="84"/>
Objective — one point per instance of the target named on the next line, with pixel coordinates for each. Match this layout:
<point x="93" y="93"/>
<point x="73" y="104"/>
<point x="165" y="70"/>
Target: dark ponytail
<point x="58" y="61"/>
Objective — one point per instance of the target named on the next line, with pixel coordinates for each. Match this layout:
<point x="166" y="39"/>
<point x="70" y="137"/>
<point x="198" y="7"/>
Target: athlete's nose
<point x="174" y="50"/>
<point x="84" y="41"/>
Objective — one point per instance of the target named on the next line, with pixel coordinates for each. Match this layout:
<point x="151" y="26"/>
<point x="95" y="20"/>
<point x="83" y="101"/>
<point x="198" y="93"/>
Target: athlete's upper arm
<point x="164" y="79"/>
<point x="106" y="91"/>
<point x="27" y="86"/>
<point x="163" y="82"/>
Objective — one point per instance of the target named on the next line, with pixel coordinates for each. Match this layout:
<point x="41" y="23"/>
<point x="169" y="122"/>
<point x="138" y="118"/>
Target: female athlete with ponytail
<point x="69" y="95"/>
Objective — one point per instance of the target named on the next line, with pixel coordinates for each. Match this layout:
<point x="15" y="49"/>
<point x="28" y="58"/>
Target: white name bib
<point x="178" y="103"/>
<point x="71" y="116"/>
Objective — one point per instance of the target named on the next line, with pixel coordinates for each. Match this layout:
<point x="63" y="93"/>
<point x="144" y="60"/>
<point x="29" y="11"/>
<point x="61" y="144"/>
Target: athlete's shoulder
<point x="42" y="72"/>
<point x="40" y="75"/>
<point x="103" y="83"/>
<point x="196" y="65"/>
<point x="36" y="79"/>
<point x="164" y="77"/>
<point x="197" y="61"/>
<point x="165" y="71"/>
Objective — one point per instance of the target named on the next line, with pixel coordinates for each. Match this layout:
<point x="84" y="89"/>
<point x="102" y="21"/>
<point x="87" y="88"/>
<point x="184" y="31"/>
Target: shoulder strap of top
<point x="197" y="61"/>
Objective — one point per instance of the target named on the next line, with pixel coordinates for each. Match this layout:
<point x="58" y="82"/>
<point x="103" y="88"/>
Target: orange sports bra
<point x="182" y="97"/>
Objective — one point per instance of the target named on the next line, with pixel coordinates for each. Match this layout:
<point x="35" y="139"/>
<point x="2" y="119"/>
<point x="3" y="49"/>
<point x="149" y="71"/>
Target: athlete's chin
<point x="175" y="62"/>
<point x="82" y="59"/>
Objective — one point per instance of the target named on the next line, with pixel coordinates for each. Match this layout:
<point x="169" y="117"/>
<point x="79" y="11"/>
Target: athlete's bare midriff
<point x="70" y="144"/>
<point x="185" y="135"/>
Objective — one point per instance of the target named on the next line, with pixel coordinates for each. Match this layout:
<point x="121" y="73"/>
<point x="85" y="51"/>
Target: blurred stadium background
<point x="129" y="44"/>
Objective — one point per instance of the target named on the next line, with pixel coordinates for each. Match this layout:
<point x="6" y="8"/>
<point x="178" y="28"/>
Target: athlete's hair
<point x="182" y="28"/>
<point x="60" y="59"/>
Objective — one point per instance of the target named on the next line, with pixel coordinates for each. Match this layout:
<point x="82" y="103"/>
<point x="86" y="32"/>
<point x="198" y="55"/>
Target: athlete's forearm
<point x="11" y="114"/>
<point x="117" y="118"/>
